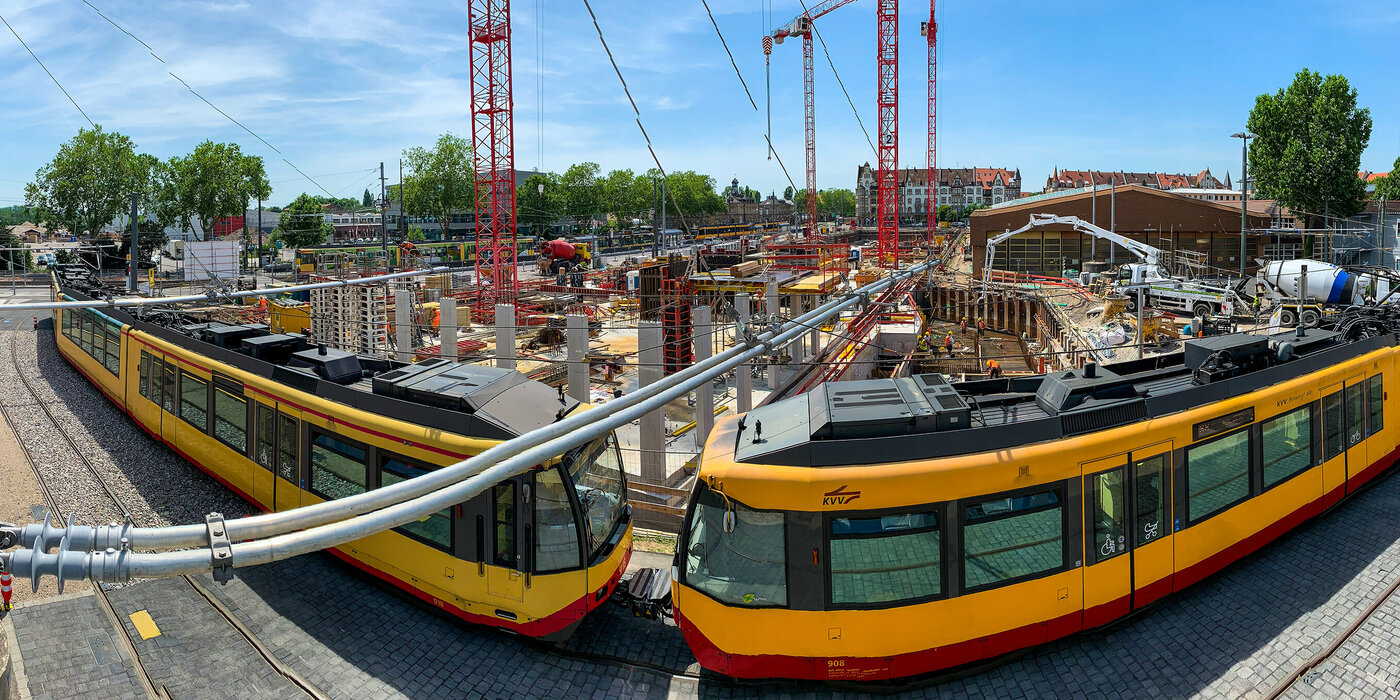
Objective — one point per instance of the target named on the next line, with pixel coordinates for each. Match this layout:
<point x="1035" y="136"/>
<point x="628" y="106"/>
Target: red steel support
<point x="931" y="186"/>
<point x="493" y="141"/>
<point x="887" y="122"/>
<point x="809" y="121"/>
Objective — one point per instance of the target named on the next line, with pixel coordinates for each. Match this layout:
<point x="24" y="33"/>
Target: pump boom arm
<point x="1149" y="255"/>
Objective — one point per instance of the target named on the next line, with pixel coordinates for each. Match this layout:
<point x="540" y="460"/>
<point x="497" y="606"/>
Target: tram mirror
<point x="729" y="521"/>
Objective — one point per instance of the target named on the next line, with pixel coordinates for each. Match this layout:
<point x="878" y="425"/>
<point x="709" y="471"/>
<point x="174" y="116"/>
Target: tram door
<point x="508" y="539"/>
<point x="1128" y="553"/>
<point x="265" y="454"/>
<point x="1354" y="412"/>
<point x="1334" y="435"/>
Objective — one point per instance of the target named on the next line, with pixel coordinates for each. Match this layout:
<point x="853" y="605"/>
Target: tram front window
<point x="735" y="553"/>
<point x="596" y="472"/>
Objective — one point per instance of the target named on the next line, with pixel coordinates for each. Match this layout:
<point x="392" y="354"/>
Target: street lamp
<point x="1244" y="137"/>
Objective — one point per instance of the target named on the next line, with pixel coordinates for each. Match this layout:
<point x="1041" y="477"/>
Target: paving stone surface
<point x="69" y="650"/>
<point x="197" y="654"/>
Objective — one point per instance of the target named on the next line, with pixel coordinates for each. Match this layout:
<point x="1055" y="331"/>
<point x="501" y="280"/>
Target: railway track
<point x="115" y="500"/>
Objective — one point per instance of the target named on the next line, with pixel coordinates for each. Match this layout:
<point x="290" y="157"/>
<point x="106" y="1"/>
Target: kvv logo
<point x="839" y="497"/>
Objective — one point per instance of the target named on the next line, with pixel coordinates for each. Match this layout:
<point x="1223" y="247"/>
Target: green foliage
<point x="415" y="234"/>
<point x="583" y="191"/>
<point x="302" y="224"/>
<point x="213" y="182"/>
<point x="536" y="209"/>
<point x="441" y="181"/>
<point x="788" y="193"/>
<point x="88" y="183"/>
<point x="1388" y="187"/>
<point x="839" y="201"/>
<point x="150" y="236"/>
<point x="626" y="195"/>
<point x="693" y="193"/>
<point x="945" y="212"/>
<point x="366" y="200"/>
<point x="1308" y="151"/>
<point x="16" y="214"/>
<point x="13" y="259"/>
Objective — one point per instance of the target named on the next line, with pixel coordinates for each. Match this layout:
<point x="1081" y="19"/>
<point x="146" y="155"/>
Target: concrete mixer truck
<point x="1328" y="288"/>
<point x="560" y="254"/>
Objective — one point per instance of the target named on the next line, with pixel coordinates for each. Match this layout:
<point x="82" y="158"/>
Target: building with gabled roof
<point x="1061" y="180"/>
<point x="957" y="187"/>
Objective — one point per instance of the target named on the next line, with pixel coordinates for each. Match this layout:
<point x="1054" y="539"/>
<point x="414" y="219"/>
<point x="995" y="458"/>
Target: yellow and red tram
<point x="285" y="425"/>
<point x="888" y="528"/>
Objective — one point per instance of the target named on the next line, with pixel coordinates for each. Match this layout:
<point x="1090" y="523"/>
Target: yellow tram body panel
<point x="536" y="604"/>
<point x="917" y="637"/>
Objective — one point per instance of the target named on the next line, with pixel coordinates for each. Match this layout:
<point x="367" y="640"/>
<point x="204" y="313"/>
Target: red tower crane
<point x="930" y="30"/>
<point x="493" y="141"/>
<point x="802" y="26"/>
<point x="887" y="123"/>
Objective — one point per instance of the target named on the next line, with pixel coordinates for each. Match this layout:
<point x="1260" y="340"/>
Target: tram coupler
<point x="646" y="592"/>
<point x="9" y="537"/>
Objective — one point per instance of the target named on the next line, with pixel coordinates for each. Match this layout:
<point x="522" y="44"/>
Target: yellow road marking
<point x="145" y="626"/>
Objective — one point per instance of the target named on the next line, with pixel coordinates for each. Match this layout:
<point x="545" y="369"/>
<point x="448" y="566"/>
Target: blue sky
<point x="339" y="85"/>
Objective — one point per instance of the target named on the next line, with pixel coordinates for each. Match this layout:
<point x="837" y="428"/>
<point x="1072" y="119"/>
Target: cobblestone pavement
<point x="198" y="654"/>
<point x="68" y="649"/>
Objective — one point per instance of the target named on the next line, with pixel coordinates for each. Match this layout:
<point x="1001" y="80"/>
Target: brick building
<point x="1161" y="219"/>
<point x="957" y="187"/>
<point x="1061" y="180"/>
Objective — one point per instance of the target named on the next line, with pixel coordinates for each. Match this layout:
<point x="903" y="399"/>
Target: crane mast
<point x="887" y="121"/>
<point x="930" y="30"/>
<point x="493" y="143"/>
<point x="802" y="26"/>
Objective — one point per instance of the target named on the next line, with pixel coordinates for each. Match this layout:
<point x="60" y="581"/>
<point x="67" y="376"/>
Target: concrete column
<point x="447" y="328"/>
<point x="742" y="304"/>
<point x="771" y="307"/>
<point x="505" y="336"/>
<point x="576" y="337"/>
<point x="705" y="393"/>
<point x="403" y="324"/>
<point x="653" y="424"/>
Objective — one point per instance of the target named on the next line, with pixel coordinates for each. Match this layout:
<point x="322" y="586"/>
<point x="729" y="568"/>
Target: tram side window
<point x="556" y="532"/>
<point x="287" y="448"/>
<point x="503" y="520"/>
<point x="1332" y="425"/>
<point x="746" y="565"/>
<point x="266" y="450"/>
<point x="1356" y="416"/>
<point x="1151" y="484"/>
<point x="1375" y="396"/>
<point x="1287" y="445"/>
<point x="436" y="528"/>
<point x="231" y="419"/>
<point x="114" y="348"/>
<point x="1109" y="513"/>
<point x="168" y="391"/>
<point x="194" y="401"/>
<point x="886" y="559"/>
<point x="1012" y="537"/>
<point x="1217" y="475"/>
<point x="337" y="467"/>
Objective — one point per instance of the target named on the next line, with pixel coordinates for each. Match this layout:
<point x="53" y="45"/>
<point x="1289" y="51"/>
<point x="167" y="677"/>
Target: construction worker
<point x="963" y="324"/>
<point x="948" y="342"/>
<point x="993" y="369"/>
<point x="981" y="326"/>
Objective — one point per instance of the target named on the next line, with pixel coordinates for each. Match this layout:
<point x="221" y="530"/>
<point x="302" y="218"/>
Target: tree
<point x="582" y="191"/>
<point x="626" y="195"/>
<point x="213" y="182"/>
<point x="14" y="256"/>
<point x="150" y="236"/>
<point x="88" y="183"/>
<point x="693" y="193"/>
<point x="945" y="212"/>
<point x="788" y="193"/>
<point x="366" y="200"/>
<point x="302" y="224"/>
<point x="537" y="209"/>
<point x="415" y="234"/>
<point x="839" y="201"/>
<point x="441" y="181"/>
<point x="1308" y="151"/>
<point x="1388" y="187"/>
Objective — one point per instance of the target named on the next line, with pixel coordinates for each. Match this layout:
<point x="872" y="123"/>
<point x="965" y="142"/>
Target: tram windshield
<point x="596" y="472"/>
<point x="734" y="553"/>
